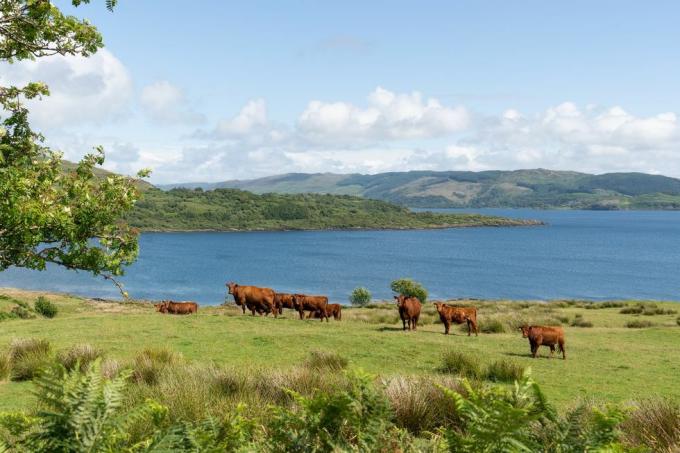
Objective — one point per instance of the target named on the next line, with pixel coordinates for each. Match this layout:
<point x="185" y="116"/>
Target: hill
<point x="457" y="189"/>
<point x="237" y="210"/>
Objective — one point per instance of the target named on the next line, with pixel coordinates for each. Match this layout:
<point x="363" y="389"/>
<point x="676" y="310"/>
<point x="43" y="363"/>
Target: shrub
<point x="360" y="297"/>
<point x="634" y="310"/>
<point x="22" y="313"/>
<point x="45" y="307"/>
<point x="677" y="321"/>
<point x="639" y="324"/>
<point x="655" y="424"/>
<point x="409" y="288"/>
<point x="28" y="357"/>
<point x="321" y="360"/>
<point x="455" y="362"/>
<point x="578" y="321"/>
<point x="490" y="326"/>
<point x="79" y="356"/>
<point x="505" y="370"/>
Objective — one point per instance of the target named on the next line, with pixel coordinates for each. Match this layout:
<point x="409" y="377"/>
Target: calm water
<point x="580" y="254"/>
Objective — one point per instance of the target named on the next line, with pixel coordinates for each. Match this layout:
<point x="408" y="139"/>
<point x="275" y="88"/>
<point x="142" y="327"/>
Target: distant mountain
<point x="448" y="189"/>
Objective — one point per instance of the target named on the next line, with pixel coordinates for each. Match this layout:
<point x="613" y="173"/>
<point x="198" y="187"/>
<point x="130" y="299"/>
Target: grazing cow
<point x="253" y="298"/>
<point x="283" y="300"/>
<point x="334" y="310"/>
<point x="177" y="308"/>
<point x="544" y="336"/>
<point x="316" y="304"/>
<point x="409" y="311"/>
<point x="457" y="315"/>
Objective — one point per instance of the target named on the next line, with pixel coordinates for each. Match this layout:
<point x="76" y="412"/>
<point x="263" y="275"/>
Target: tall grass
<point x="79" y="356"/>
<point x="504" y="370"/>
<point x="28" y="356"/>
<point x="461" y="364"/>
<point x="655" y="424"/>
<point x="323" y="360"/>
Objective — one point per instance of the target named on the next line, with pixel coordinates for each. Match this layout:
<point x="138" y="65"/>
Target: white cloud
<point x="83" y="90"/>
<point x="251" y="119"/>
<point x="388" y="116"/>
<point x="167" y="104"/>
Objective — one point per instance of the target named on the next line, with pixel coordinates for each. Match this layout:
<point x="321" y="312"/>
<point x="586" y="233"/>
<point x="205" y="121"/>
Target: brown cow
<point x="177" y="308"/>
<point x="409" y="310"/>
<point x="544" y="336"/>
<point x="457" y="315"/>
<point x="254" y="298"/>
<point x="334" y="310"/>
<point x="283" y="300"/>
<point x="316" y="304"/>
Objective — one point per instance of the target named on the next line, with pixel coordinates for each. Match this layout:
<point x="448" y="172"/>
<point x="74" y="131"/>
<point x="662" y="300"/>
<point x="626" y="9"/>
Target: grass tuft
<point x="45" y="308"/>
<point x="639" y="324"/>
<point x="459" y="363"/>
<point x="5" y="366"/>
<point x="150" y="364"/>
<point x="491" y="326"/>
<point x="28" y="356"/>
<point x="504" y="370"/>
<point x="321" y="360"/>
<point x="654" y="424"/>
<point x="79" y="356"/>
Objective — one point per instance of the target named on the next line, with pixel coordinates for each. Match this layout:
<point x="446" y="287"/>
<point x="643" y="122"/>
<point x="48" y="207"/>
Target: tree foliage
<point x="410" y="288"/>
<point x="360" y="296"/>
<point x="48" y="215"/>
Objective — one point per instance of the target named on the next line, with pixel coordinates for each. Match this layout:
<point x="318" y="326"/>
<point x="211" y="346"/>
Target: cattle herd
<point x="265" y="300"/>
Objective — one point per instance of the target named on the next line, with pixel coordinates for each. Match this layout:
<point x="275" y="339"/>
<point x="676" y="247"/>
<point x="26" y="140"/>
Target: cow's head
<point x="400" y="300"/>
<point x="232" y="287"/>
<point x="298" y="300"/>
<point x="162" y="306"/>
<point x="525" y="330"/>
<point x="439" y="306"/>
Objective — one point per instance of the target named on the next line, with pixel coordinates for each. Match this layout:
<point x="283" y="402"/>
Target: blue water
<point x="579" y="254"/>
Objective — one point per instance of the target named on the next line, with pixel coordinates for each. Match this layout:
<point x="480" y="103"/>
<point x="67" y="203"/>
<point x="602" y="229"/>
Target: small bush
<point x="28" y="357"/>
<point x="490" y="326"/>
<point x="655" y="424"/>
<point x="505" y="370"/>
<point x="360" y="297"/>
<point x="79" y="356"/>
<point x="578" y="321"/>
<point x="45" y="307"/>
<point x="462" y="364"/>
<point x="639" y="324"/>
<point x="409" y="288"/>
<point x="22" y="313"/>
<point x="321" y="360"/>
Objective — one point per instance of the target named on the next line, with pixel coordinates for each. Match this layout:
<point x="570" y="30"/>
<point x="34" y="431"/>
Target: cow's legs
<point x="447" y="326"/>
<point x="415" y="323"/>
<point x="403" y="322"/>
<point x="302" y="314"/>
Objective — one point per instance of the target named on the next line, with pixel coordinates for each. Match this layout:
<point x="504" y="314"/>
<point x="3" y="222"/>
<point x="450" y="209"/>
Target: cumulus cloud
<point x="166" y="103"/>
<point x="83" y="90"/>
<point x="388" y="116"/>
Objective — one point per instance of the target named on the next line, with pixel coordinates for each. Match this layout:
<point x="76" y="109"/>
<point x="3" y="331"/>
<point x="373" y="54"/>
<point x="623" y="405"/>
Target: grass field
<point x="607" y="362"/>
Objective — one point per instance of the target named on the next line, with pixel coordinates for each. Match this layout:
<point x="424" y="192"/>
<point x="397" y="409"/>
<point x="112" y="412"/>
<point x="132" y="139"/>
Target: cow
<point x="457" y="315"/>
<point x="177" y="308"/>
<point x="283" y="300"/>
<point x="544" y="336"/>
<point x="316" y="304"/>
<point x="254" y="298"/>
<point x="409" y="311"/>
<point x="334" y="310"/>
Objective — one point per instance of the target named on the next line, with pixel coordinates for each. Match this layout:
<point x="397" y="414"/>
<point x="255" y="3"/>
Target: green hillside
<point x="522" y="188"/>
<point x="231" y="209"/>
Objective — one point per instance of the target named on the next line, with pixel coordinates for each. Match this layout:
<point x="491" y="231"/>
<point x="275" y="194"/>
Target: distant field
<point x="607" y="361"/>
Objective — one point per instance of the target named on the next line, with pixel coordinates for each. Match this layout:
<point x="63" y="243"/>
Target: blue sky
<point x="243" y="89"/>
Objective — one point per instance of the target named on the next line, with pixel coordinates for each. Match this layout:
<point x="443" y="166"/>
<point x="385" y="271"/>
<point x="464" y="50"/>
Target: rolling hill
<point x="537" y="188"/>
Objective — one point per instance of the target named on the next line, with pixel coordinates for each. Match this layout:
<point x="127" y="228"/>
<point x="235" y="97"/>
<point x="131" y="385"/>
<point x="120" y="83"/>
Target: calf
<point x="177" y="308"/>
<point x="409" y="311"/>
<point x="317" y="304"/>
<point x="457" y="315"/>
<point x="283" y="300"/>
<point x="544" y="336"/>
<point x="334" y="310"/>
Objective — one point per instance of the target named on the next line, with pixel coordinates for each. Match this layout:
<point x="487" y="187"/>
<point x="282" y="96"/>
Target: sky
<point x="213" y="90"/>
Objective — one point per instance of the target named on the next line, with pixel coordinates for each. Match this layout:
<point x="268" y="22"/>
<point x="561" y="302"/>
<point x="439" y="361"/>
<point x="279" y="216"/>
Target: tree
<point x="48" y="215"/>
<point x="409" y="288"/>
<point x="360" y="296"/>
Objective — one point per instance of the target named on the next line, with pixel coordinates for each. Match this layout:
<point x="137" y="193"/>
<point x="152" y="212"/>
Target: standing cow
<point x="457" y="315"/>
<point x="409" y="310"/>
<point x="316" y="304"/>
<point x="334" y="310"/>
<point x="283" y="300"/>
<point x="254" y="298"/>
<point x="544" y="336"/>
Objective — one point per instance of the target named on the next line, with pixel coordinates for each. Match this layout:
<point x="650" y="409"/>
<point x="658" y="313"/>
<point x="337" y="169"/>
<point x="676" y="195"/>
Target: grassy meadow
<point x="609" y="358"/>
